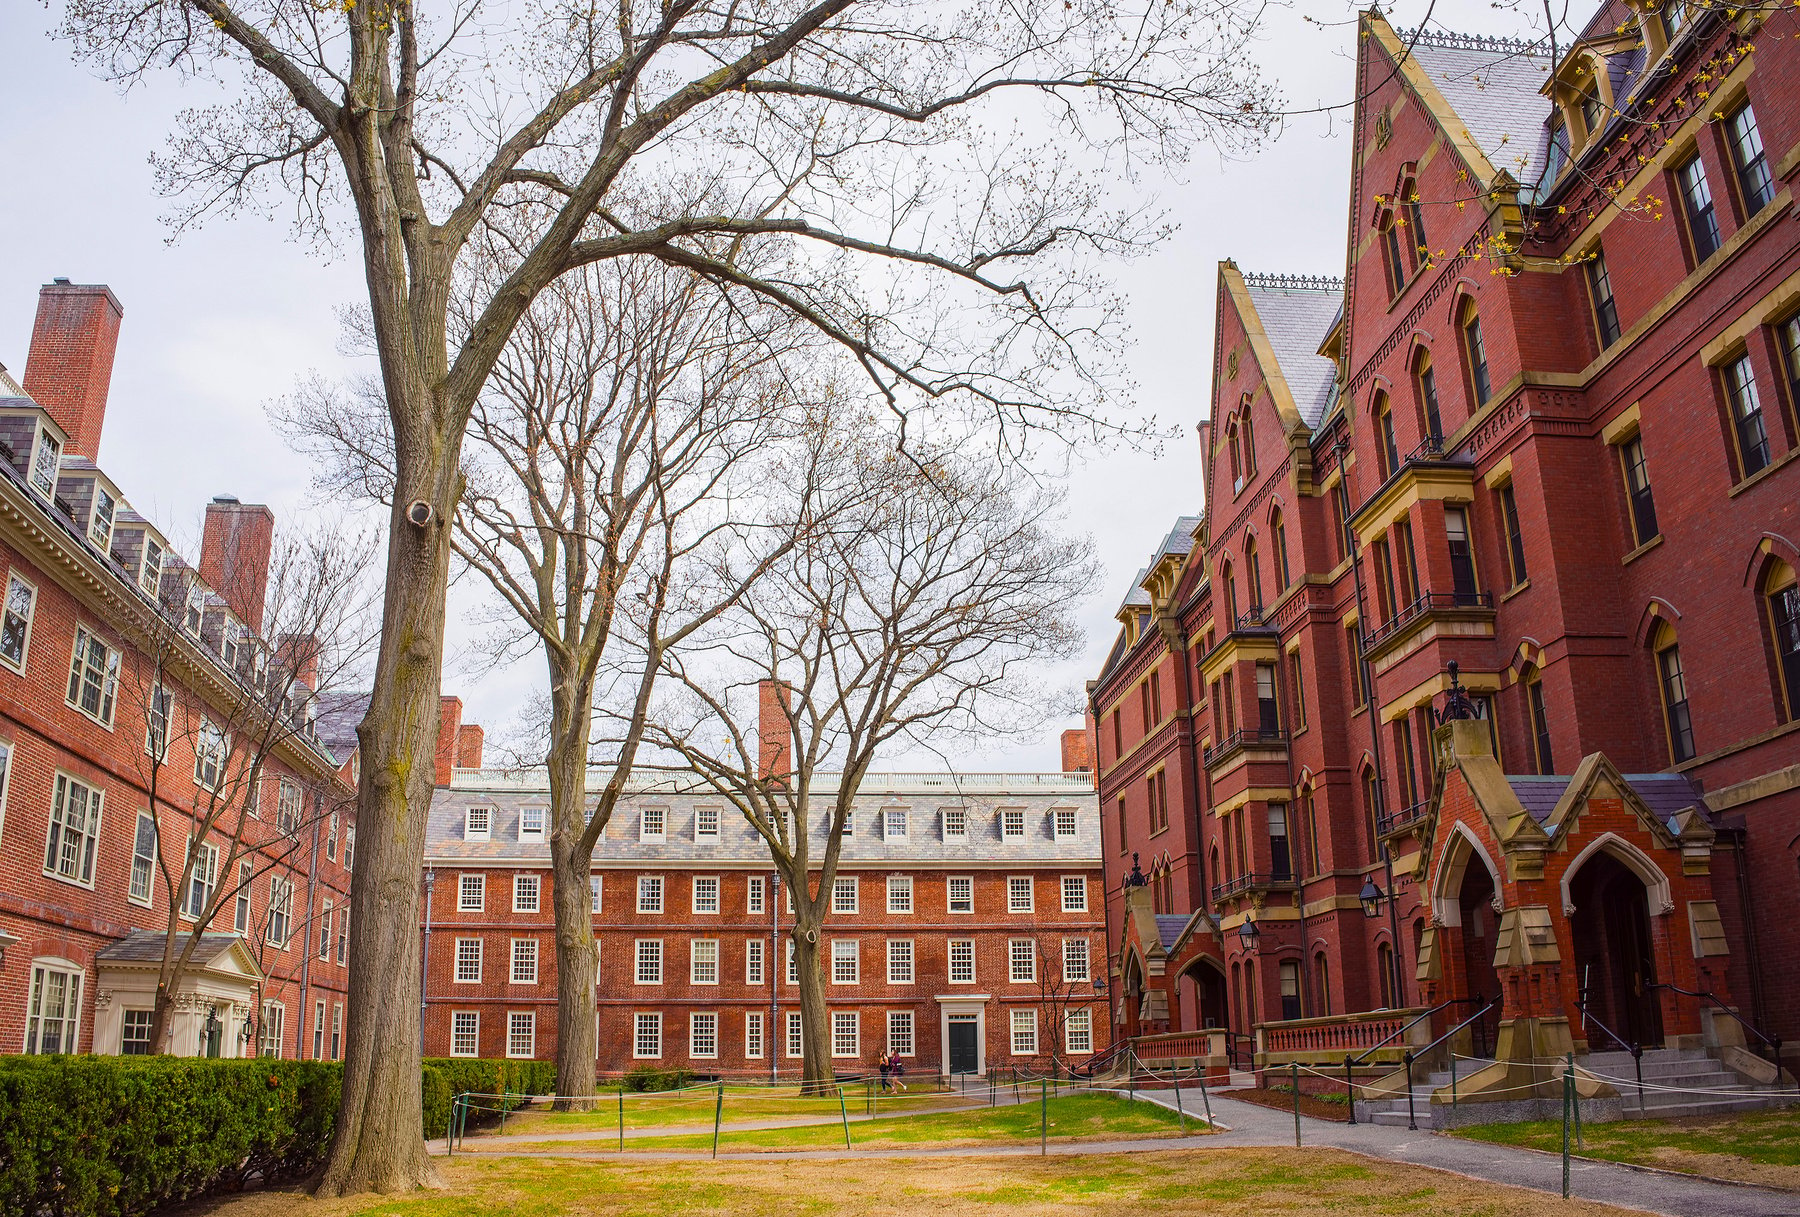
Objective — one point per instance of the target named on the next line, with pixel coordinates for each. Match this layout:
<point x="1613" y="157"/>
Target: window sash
<point x="1078" y="1031"/>
<point x="1021" y="961"/>
<point x="527" y="890"/>
<point x="74" y="831"/>
<point x="646" y="1039"/>
<point x="93" y="677"/>
<point x="899" y="894"/>
<point x="1019" y="895"/>
<point x="1074" y="894"/>
<point x="15" y="622"/>
<point x="471" y="893"/>
<point x="524" y="961"/>
<point x="846" y="1033"/>
<point x="962" y="961"/>
<point x="703" y="1035"/>
<point x="143" y="857"/>
<point x="846" y="961"/>
<point x="1754" y="178"/>
<point x="1696" y="201"/>
<point x="706" y="894"/>
<point x="1746" y="415"/>
<point x="703" y="961"/>
<point x="650" y="894"/>
<point x="900" y="961"/>
<point x="468" y="961"/>
<point x="900" y="1032"/>
<point x="1606" y="311"/>
<point x="960" y="894"/>
<point x="844" y="895"/>
<point x="1024" y="1033"/>
<point x="53" y="1013"/>
<point x="1077" y="961"/>
<point x="465" y="1033"/>
<point x="649" y="961"/>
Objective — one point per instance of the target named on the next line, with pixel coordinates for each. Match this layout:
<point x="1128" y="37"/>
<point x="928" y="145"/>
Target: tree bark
<point x="816" y="1073"/>
<point x="571" y="864"/>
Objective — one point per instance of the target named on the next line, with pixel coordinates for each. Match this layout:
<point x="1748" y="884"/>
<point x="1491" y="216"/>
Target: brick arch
<point x="1463" y="289"/>
<point x="1769" y="545"/>
<point x="1420" y="340"/>
<point x="1635" y="860"/>
<point x="1460" y="847"/>
<point x="1658" y="611"/>
<point x="1530" y="654"/>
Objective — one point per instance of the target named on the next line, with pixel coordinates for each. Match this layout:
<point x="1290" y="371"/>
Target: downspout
<point x="1747" y="905"/>
<point x="1105" y="903"/>
<point x="312" y="886"/>
<point x="1296" y="856"/>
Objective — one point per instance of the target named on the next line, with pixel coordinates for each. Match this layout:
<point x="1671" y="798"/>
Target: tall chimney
<point x="449" y="732"/>
<point x="69" y="369"/>
<point x="774" y="735"/>
<point x="234" y="555"/>
<point x="1077" y="751"/>
<point x="469" y="741"/>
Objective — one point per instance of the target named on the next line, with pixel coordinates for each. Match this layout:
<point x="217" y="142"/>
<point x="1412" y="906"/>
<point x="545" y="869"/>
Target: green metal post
<point x="1568" y="1090"/>
<point x="1182" y="1114"/>
<point x="1453" y="1081"/>
<point x="450" y="1129"/>
<point x="621" y="1117"/>
<point x="1205" y="1098"/>
<point x="1043" y="1116"/>
<point x="1296" y="1104"/>
<point x="504" y="1099"/>
<point x="844" y="1112"/>
<point x="1575" y="1103"/>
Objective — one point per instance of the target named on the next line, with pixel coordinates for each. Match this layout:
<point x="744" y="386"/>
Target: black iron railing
<point x="1771" y="1042"/>
<point x="1389" y="823"/>
<point x="1239" y="739"/>
<point x="1425" y="603"/>
<point x="1256" y="881"/>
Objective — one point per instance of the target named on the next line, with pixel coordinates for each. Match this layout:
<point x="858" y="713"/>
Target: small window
<point x="1606" y="311"/>
<point x="646" y="1038"/>
<point x="962" y="961"/>
<point x="1462" y="555"/>
<point x="703" y="1035"/>
<point x="1697" y="205"/>
<point x="1077" y="963"/>
<point x="468" y="961"/>
<point x="93" y="677"/>
<point x="893" y="825"/>
<point x="849" y="822"/>
<point x="650" y="824"/>
<point x="45" y="462"/>
<point x="846" y="1033"/>
<point x="143" y="854"/>
<point x="465" y="1033"/>
<point x="960" y="894"/>
<point x="755" y="894"/>
<point x="1021" y="956"/>
<point x="478" y="823"/>
<point x="796" y="1040"/>
<point x="1637" y="491"/>
<point x="703" y="961"/>
<point x="900" y="961"/>
<point x="753" y="1035"/>
<point x="706" y="822"/>
<point x="650" y="894"/>
<point x="900" y="1032"/>
<point x="899" y="894"/>
<point x="844" y="895"/>
<point x="1024" y="1032"/>
<point x="753" y="961"/>
<point x="1064" y="823"/>
<point x="240" y="917"/>
<point x="1078" y="1031"/>
<point x="1018" y="894"/>
<point x="74" y="831"/>
<point x="1754" y="179"/>
<point x="524" y="961"/>
<point x="649" y="961"/>
<point x="325" y="932"/>
<point x="595" y="887"/>
<point x="525" y="893"/>
<point x="1746" y="417"/>
<point x="846" y="961"/>
<point x="1515" y="540"/>
<point x="1593" y="110"/>
<point x="100" y="522"/>
<point x="471" y="893"/>
<point x="531" y="823"/>
<point x="134" y="1034"/>
<point x="1012" y="822"/>
<point x="1074" y="894"/>
<point x="706" y="894"/>
<point x="195" y="615"/>
<point x="15" y="622"/>
<point x="956" y="823"/>
<point x="151" y="567"/>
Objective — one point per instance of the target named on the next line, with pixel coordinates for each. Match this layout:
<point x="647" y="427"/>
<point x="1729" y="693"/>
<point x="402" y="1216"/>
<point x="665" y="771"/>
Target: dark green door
<point x="963" y="1057"/>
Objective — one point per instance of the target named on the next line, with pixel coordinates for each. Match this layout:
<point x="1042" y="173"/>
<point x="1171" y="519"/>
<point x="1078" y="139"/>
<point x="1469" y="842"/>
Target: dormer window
<point x="196" y="610"/>
<point x="1556" y="153"/>
<point x="150" y="569"/>
<point x="651" y="824"/>
<point x="100" y="526"/>
<point x="531" y="824"/>
<point x="1593" y="110"/>
<point x="478" y="823"/>
<point x="228" y="642"/>
<point x="45" y="462"/>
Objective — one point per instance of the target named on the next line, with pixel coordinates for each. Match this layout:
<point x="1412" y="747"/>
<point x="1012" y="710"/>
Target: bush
<point x="115" y="1136"/>
<point x="645" y="1078"/>
<point x="445" y="1078"/>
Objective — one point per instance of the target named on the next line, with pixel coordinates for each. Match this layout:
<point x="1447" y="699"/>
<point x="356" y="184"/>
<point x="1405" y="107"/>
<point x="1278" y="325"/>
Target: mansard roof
<point x="1494" y="90"/>
<point x="1297" y="312"/>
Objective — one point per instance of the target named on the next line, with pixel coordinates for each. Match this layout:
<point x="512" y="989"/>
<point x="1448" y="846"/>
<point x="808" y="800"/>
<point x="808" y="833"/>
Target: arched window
<point x="1474" y="353"/>
<point x="1425" y="381"/>
<point x="1218" y="875"/>
<point x="1539" y="715"/>
<point x="1310" y="826"/>
<point x="1229" y="583"/>
<point x="1237" y="458"/>
<point x="1390" y="253"/>
<point x="1249" y="429"/>
<point x="1322" y="979"/>
<point x="1253" y="573"/>
<point x="1384" y="964"/>
<point x="1278" y="530"/>
<point x="1782" y="593"/>
<point x="1371" y="804"/>
<point x="1415" y="221"/>
<point x="1672" y="681"/>
<point x="1387" y="452"/>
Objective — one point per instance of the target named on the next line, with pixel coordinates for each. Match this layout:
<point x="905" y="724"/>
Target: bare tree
<point x="233" y="774"/>
<point x="1058" y="997"/>
<point x="918" y="618"/>
<point x="641" y="455"/>
<point x="947" y="256"/>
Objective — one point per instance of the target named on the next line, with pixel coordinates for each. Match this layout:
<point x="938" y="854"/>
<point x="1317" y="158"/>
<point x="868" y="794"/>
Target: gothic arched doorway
<point x="1475" y="903"/>
<point x="1201" y="991"/>
<point x="1615" y="960"/>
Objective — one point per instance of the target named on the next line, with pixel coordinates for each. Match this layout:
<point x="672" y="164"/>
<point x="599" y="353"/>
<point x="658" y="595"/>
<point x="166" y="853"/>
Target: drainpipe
<point x="312" y="894"/>
<point x="1747" y="903"/>
<point x="1295" y="855"/>
<point x="425" y="953"/>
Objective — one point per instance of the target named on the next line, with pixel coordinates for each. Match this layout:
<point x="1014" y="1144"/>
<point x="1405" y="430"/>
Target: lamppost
<point x="425" y="954"/>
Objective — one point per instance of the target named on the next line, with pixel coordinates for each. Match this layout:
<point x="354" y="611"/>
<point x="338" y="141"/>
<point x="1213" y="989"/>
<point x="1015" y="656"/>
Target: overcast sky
<point x="224" y="321"/>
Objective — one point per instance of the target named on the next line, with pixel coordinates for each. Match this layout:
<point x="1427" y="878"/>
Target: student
<point x="898" y="1068"/>
<point x="885" y="1065"/>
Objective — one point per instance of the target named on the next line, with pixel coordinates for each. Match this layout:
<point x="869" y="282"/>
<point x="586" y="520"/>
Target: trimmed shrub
<point x="446" y="1077"/>
<point x="647" y="1078"/>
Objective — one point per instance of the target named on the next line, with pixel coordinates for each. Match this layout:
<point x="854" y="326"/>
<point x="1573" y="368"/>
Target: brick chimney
<point x="449" y="735"/>
<point x="1077" y="751"/>
<point x="300" y="654"/>
<point x="69" y="369"/>
<point x="469" y="739"/>
<point x="234" y="555"/>
<point x="774" y="736"/>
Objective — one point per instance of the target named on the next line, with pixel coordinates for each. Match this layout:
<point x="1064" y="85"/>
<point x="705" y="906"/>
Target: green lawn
<point x="1759" y="1147"/>
<point x="1086" y="1116"/>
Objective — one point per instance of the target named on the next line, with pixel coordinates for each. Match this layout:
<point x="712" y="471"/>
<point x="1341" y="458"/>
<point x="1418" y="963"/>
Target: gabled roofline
<point x="1231" y="280"/>
<point x="1415" y="78"/>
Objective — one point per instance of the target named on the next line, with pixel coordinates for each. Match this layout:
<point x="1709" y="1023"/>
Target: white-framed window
<point x="796" y="1038"/>
<point x="787" y="896"/>
<point x="100" y="523"/>
<point x="846" y="1033"/>
<point x="1021" y="961"/>
<point x="53" y="1013"/>
<point x="134" y="1033"/>
<point x="1063" y="823"/>
<point x="525" y="893"/>
<point x="893" y="823"/>
<point x="849" y="822"/>
<point x="194" y="615"/>
<point x="6" y="752"/>
<point x="325" y="932"/>
<point x="468" y="961"/>
<point x="465" y="1033"/>
<point x="337" y="1029"/>
<point x="1024" y="1033"/>
<point x="521" y="1033"/>
<point x="531" y="823"/>
<point x="595" y="888"/>
<point x="650" y="894"/>
<point x="272" y="1032"/>
<point x="900" y="961"/>
<point x="281" y="910"/>
<point x="646" y="1036"/>
<point x="956" y="823"/>
<point x="793" y="964"/>
<point x="959" y="894"/>
<point x="753" y="961"/>
<point x="471" y="893"/>
<point x="1078" y="1031"/>
<point x="478" y="824"/>
<point x="93" y="677"/>
<point x="1077" y="963"/>
<point x="706" y="823"/>
<point x="46" y="459"/>
<point x="1012" y="822"/>
<point x="649" y="961"/>
<point x="15" y="621"/>
<point x="703" y="1035"/>
<point x="211" y="746"/>
<point x="143" y="858"/>
<point x="703" y="961"/>
<point x="962" y="961"/>
<point x="706" y="894"/>
<point x="524" y="961"/>
<point x="846" y="961"/>
<point x="156" y="722"/>
<point x="151" y="568"/>
<point x="240" y="915"/>
<point x="343" y="933"/>
<point x="1074" y="894"/>
<point x="652" y="822"/>
<point x="844" y="895"/>
<point x="900" y="1032"/>
<point x="1019" y="895"/>
<point x="756" y="894"/>
<point x="203" y="877"/>
<point x="899" y="894"/>
<point x="319" y="1030"/>
<point x="350" y="847"/>
<point x="74" y="831"/>
<point x="753" y="1035"/>
<point x="288" y="809"/>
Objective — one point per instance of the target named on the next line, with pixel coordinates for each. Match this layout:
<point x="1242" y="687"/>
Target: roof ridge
<point x="1307" y="282"/>
<point x="1450" y="40"/>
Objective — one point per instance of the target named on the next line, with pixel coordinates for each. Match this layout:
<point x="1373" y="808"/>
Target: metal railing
<point x="1241" y="738"/>
<point x="1251" y="620"/>
<point x="1424" y="603"/>
<point x="1350" y="1062"/>
<point x="1773" y="1043"/>
<point x="1256" y="881"/>
<point x="1412" y="1118"/>
<point x="1389" y="823"/>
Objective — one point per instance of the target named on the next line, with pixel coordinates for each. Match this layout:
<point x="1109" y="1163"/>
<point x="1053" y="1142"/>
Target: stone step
<point x="1393" y="1119"/>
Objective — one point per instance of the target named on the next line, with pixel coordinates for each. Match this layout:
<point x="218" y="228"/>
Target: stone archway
<point x="1614" y="951"/>
<point x="1200" y="991"/>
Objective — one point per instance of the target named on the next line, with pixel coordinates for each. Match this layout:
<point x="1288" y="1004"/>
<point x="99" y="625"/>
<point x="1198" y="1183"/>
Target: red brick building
<point x="965" y="930"/>
<point x="126" y="675"/>
<point x="1544" y="430"/>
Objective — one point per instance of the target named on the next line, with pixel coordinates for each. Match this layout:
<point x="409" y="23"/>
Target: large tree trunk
<point x="816" y="1074"/>
<point x="377" y="1145"/>
<point x="571" y="862"/>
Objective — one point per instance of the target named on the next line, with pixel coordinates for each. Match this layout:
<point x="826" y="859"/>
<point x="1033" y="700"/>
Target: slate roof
<point x="146" y="946"/>
<point x="1493" y="85"/>
<point x="335" y="723"/>
<point x="1296" y="314"/>
<point x="1137" y="597"/>
<point x="924" y="796"/>
<point x="1663" y="793"/>
<point x="1181" y="537"/>
<point x="1169" y="927"/>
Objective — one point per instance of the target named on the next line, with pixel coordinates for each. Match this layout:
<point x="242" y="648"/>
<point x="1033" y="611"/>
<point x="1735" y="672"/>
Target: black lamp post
<point x="1249" y="933"/>
<point x="1372" y="897"/>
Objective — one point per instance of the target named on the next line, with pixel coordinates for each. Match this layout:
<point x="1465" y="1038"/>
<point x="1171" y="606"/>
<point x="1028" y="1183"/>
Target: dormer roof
<point x="1293" y="315"/>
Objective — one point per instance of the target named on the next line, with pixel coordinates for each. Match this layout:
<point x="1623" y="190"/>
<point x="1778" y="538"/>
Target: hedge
<point x="108" y="1136"/>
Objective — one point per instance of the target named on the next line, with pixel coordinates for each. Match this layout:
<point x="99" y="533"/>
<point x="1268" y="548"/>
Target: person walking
<point x="883" y="1062"/>
<point x="898" y="1068"/>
